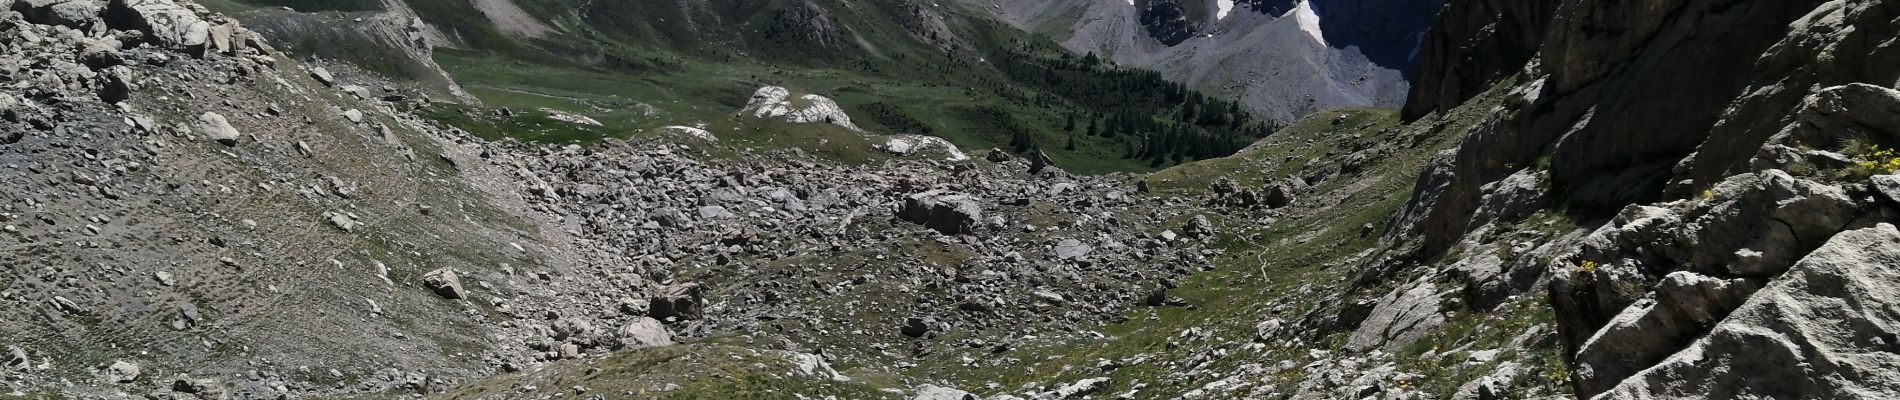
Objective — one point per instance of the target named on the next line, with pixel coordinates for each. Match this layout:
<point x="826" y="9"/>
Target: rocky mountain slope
<point x="197" y="214"/>
<point x="194" y="211"/>
<point x="1287" y="59"/>
<point x="905" y="67"/>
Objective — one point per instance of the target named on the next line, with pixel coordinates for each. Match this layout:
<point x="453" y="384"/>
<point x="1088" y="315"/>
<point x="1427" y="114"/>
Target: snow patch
<point x="1309" y="21"/>
<point x="1225" y="7"/>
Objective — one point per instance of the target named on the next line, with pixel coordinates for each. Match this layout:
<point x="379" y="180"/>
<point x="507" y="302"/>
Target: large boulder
<point x="444" y="282"/>
<point x="777" y="102"/>
<point x="1749" y="226"/>
<point x="906" y="145"/>
<point x="1402" y="317"/>
<point x="167" y="23"/>
<point x="1282" y="193"/>
<point x="1822" y="330"/>
<point x="1071" y="249"/>
<point x="76" y="14"/>
<point x="944" y="211"/>
<point x="1650" y="330"/>
<point x="215" y="127"/>
<point x="122" y="372"/>
<point x="644" y="332"/>
<point x="934" y="392"/>
<point x="1856" y="107"/>
<point x="1228" y="193"/>
<point x="1510" y="199"/>
<point x="683" y="301"/>
<point x="1888" y="186"/>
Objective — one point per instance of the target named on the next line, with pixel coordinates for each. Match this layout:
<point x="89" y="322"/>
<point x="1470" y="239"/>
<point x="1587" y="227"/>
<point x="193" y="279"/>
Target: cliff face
<point x="1718" y="155"/>
<point x="1621" y="105"/>
<point x="1471" y="46"/>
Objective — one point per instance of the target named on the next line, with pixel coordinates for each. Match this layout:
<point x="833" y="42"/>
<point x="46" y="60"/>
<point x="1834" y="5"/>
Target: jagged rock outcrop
<point x="1639" y="287"/>
<point x="1607" y="146"/>
<point x="1724" y="175"/>
<point x="1815" y="332"/>
<point x="1649" y="330"/>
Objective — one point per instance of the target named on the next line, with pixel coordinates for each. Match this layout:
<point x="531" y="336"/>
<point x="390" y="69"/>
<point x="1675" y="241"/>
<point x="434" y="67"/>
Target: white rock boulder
<point x="906" y="145"/>
<point x="215" y="127"/>
<point x="778" y="103"/>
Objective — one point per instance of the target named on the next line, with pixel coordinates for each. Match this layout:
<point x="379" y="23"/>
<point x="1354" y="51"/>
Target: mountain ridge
<point x="200" y="210"/>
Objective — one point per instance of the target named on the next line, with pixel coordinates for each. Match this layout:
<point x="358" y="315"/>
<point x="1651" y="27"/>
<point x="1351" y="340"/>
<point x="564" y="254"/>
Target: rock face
<point x="1401" y="317"/>
<point x="1600" y="124"/>
<point x="777" y="102"/>
<point x="1713" y="188"/>
<point x="1648" y="330"/>
<point x="947" y="212"/>
<point x="1619" y="310"/>
<point x="1806" y="335"/>
<point x="1473" y="44"/>
<point x="1854" y="107"/>
<point x="1166" y="21"/>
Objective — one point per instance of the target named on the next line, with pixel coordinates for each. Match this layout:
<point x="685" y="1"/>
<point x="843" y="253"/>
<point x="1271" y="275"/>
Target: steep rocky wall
<point x="1472" y="45"/>
<point x="1646" y="109"/>
<point x="1695" y="141"/>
